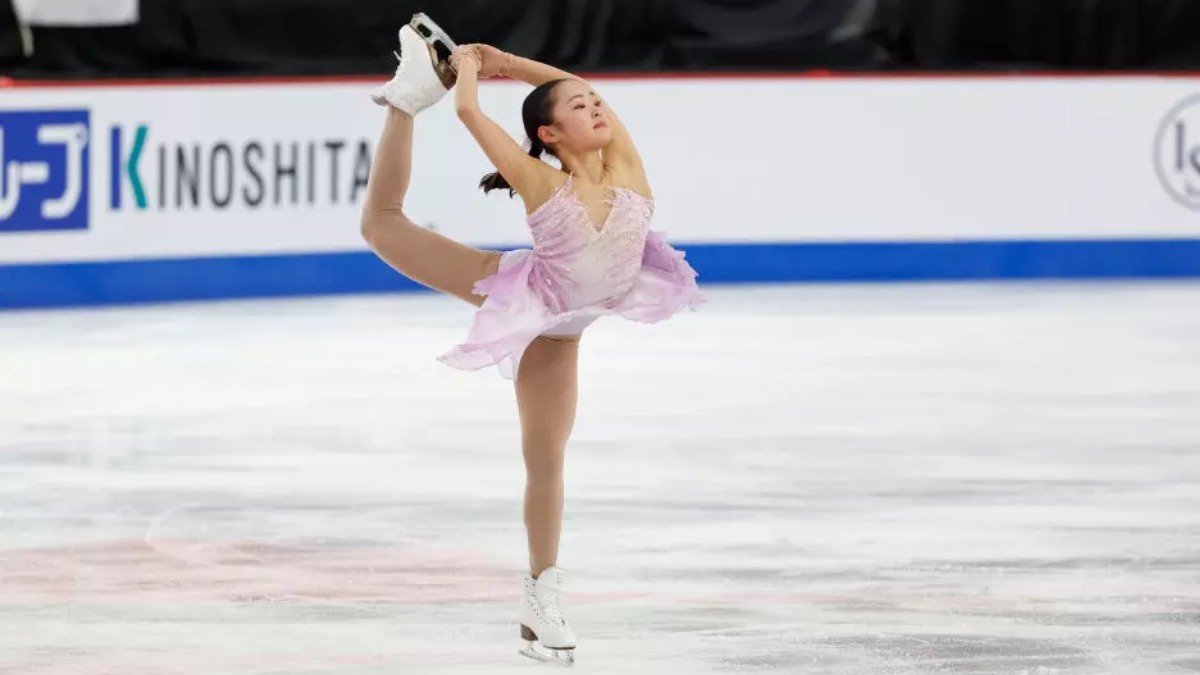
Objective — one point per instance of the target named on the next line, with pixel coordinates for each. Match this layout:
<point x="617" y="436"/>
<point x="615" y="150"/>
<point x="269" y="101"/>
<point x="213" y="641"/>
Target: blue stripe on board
<point x="141" y="281"/>
<point x="967" y="260"/>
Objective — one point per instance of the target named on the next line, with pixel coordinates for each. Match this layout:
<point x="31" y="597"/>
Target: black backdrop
<point x="10" y="37"/>
<point x="1057" y="34"/>
<point x="285" y="37"/>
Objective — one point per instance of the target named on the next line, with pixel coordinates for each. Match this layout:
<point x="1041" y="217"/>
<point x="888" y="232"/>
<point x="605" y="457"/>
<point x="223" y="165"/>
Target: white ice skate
<point x="424" y="74"/>
<point x="548" y="637"/>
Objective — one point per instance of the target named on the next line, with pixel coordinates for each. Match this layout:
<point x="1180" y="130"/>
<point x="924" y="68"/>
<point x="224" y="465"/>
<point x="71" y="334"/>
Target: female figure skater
<point x="591" y="256"/>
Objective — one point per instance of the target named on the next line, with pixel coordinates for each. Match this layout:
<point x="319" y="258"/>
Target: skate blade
<point x="442" y="45"/>
<point x="563" y="658"/>
<point x="430" y="31"/>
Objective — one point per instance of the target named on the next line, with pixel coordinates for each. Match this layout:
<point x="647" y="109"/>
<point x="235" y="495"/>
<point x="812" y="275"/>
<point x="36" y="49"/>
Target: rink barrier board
<point x="34" y="286"/>
<point x="211" y="170"/>
<point x="1150" y="238"/>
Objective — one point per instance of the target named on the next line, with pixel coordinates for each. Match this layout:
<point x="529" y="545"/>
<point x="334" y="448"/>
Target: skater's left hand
<point x="466" y="54"/>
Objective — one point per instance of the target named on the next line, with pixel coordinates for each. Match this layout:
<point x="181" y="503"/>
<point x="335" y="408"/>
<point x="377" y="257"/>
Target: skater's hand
<point x="493" y="61"/>
<point x="466" y="56"/>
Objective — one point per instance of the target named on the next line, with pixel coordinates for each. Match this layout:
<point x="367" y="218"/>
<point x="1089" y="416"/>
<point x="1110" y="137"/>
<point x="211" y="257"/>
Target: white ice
<point x="907" y="479"/>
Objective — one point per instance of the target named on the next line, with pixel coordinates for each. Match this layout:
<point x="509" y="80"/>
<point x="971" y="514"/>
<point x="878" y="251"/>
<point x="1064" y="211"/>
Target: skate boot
<point x="424" y="74"/>
<point x="548" y="637"/>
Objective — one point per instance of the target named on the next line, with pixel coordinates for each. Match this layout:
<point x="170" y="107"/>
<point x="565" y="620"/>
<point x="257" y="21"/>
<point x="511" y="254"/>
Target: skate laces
<point x="548" y="600"/>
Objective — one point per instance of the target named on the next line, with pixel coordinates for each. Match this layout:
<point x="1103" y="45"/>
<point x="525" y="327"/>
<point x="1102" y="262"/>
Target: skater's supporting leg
<point x="419" y="254"/>
<point x="547" y="392"/>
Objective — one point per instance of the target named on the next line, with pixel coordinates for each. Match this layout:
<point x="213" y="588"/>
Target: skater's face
<point x="580" y="123"/>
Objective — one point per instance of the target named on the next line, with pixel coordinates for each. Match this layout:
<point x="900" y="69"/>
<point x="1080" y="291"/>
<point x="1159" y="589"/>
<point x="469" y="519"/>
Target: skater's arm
<point x="620" y="153"/>
<point x="524" y="173"/>
<point x="530" y="71"/>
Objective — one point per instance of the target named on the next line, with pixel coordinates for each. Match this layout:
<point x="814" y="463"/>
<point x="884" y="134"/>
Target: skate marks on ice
<point x="817" y="480"/>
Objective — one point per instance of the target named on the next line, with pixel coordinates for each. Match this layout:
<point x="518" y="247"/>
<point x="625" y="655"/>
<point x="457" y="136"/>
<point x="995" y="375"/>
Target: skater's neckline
<point x="565" y="187"/>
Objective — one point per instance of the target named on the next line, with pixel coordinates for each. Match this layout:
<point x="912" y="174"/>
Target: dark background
<point x="182" y="38"/>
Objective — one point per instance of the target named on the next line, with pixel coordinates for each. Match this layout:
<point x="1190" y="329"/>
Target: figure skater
<point x="592" y="256"/>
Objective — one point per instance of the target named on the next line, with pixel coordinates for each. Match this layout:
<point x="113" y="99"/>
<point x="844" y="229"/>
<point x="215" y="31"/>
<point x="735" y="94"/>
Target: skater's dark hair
<point x="535" y="113"/>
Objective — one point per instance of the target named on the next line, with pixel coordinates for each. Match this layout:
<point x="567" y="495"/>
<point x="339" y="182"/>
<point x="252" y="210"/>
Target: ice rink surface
<point x="909" y="480"/>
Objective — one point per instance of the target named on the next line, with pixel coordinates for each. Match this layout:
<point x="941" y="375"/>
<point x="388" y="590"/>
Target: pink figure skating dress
<point x="575" y="274"/>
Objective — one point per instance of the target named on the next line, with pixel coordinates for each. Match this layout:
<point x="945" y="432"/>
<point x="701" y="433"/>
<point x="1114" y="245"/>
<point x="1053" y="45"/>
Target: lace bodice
<point x="578" y="263"/>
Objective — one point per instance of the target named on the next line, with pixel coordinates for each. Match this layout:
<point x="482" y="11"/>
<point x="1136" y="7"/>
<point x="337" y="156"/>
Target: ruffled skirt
<point x="514" y="313"/>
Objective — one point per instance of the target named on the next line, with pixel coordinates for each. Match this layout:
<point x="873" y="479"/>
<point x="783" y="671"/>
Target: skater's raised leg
<point x="426" y="257"/>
